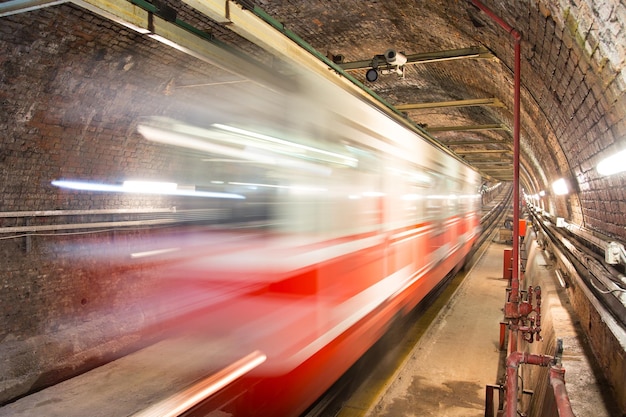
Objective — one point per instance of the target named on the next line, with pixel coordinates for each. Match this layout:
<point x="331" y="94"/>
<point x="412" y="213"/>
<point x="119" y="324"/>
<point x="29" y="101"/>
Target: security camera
<point x="395" y="58"/>
<point x="371" y="75"/>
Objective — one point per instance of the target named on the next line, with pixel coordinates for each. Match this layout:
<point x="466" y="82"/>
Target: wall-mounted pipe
<point x="512" y="365"/>
<point x="557" y="381"/>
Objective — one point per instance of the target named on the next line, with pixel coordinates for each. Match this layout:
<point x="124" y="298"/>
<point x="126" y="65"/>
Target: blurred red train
<point x="342" y="226"/>
<point x="322" y="216"/>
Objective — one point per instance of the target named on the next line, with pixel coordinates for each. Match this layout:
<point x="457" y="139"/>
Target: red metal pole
<point x="516" y="187"/>
<point x="516" y="146"/>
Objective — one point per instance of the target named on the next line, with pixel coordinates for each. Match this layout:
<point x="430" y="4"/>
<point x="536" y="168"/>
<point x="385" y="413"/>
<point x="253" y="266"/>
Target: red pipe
<point x="512" y="364"/>
<point x="557" y="380"/>
<point x="516" y="146"/>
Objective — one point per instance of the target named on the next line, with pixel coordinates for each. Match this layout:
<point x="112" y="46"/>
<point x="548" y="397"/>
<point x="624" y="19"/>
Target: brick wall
<point x="72" y="89"/>
<point x="572" y="66"/>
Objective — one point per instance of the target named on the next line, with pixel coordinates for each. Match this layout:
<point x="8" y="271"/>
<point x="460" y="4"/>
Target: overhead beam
<point x="504" y="159"/>
<point x="181" y="37"/>
<point x="474" y="142"/>
<point x="476" y="52"/>
<point x="493" y="101"/>
<point x="491" y="162"/>
<point x="482" y="151"/>
<point x="499" y="126"/>
<point x="497" y="169"/>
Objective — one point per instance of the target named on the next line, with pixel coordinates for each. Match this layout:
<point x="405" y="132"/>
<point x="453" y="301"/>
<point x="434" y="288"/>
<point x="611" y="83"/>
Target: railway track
<point x="581" y="252"/>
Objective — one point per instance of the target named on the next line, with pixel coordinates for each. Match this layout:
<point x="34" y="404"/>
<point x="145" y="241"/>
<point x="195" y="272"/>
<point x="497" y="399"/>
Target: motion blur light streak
<point x="286" y="187"/>
<point x="171" y="132"/>
<point x="153" y="253"/>
<point x="172" y="137"/>
<point x="149" y="186"/>
<point x="347" y="160"/>
<point x="112" y="188"/>
<point x="185" y="400"/>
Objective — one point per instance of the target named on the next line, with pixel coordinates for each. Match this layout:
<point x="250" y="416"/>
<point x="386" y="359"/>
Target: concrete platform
<point x="448" y="369"/>
<point x="458" y="356"/>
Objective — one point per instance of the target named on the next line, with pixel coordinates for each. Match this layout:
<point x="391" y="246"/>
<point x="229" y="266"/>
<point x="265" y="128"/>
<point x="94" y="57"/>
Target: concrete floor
<point x="125" y="386"/>
<point x="448" y="370"/>
<point x="446" y="373"/>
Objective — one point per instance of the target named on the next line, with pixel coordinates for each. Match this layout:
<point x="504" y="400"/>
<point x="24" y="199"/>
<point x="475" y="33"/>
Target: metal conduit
<point x="515" y="357"/>
<point x="142" y="217"/>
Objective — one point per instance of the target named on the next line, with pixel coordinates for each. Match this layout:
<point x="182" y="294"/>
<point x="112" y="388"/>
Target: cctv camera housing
<point x="395" y="58"/>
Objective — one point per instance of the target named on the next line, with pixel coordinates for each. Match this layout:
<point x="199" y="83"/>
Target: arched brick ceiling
<point x="573" y="104"/>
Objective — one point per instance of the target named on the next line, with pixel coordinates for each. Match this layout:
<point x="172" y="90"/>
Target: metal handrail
<point x="156" y="217"/>
<point x="51" y="213"/>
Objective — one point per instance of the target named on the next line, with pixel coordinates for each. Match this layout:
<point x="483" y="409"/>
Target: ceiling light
<point x="612" y="164"/>
<point x="560" y="187"/>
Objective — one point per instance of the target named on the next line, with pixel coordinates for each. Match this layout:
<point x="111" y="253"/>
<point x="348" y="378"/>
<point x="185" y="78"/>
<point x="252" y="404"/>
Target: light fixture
<point x="542" y="193"/>
<point x="560" y="187"/>
<point x="612" y="164"/>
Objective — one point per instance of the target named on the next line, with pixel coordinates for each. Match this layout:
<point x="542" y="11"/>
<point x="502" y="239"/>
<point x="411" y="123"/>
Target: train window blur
<point x="435" y="198"/>
<point x="408" y="187"/>
<point x="346" y="199"/>
<point x="316" y="185"/>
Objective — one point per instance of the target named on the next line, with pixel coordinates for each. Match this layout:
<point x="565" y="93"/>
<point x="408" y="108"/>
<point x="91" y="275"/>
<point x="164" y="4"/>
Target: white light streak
<point x="113" y="188"/>
<point x="347" y="160"/>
